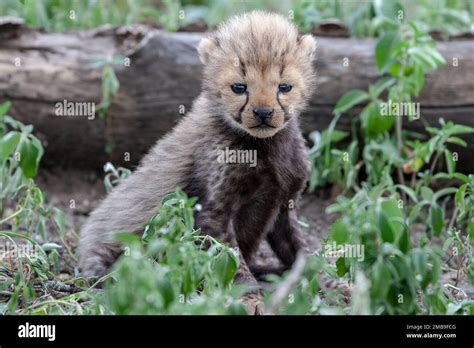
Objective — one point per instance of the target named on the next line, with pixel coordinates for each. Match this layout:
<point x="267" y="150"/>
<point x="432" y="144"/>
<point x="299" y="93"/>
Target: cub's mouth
<point x="262" y="130"/>
<point x="262" y="125"/>
<point x="262" y="122"/>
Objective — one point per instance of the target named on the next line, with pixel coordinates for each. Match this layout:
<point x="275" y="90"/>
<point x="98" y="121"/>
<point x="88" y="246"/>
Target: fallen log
<point x="161" y="78"/>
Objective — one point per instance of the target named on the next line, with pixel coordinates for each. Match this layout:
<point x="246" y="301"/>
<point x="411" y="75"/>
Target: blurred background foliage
<point x="450" y="17"/>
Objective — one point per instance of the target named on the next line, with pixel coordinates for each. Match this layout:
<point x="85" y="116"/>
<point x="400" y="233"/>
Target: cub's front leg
<point x="285" y="237"/>
<point x="220" y="226"/>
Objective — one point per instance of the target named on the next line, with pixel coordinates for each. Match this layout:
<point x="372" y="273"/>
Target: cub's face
<point x="258" y="86"/>
<point x="260" y="101"/>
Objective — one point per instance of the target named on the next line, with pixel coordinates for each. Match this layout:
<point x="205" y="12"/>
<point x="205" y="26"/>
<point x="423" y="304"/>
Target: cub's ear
<point x="307" y="46"/>
<point x="206" y="48"/>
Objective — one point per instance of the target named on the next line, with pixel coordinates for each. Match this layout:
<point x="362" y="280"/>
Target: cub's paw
<point x="93" y="266"/>
<point x="253" y="303"/>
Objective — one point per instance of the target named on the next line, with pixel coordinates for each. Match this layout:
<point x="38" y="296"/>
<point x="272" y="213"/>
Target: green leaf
<point x="409" y="191"/>
<point x="458" y="176"/>
<point x="415" y="212"/>
<point x="460" y="129"/>
<point x="418" y="79"/>
<point x="351" y="99"/>
<point x="166" y="290"/>
<point x="457" y="141"/>
<point x="436" y="214"/>
<point x="333" y="137"/>
<point x="419" y="262"/>
<point x="127" y="238"/>
<point x="380" y="281"/>
<point x="339" y="232"/>
<point x="29" y="157"/>
<point x="427" y="193"/>
<point x="444" y="192"/>
<point x="50" y="246"/>
<point x="373" y="122"/>
<point x="388" y="8"/>
<point x="435" y="55"/>
<point x="404" y="241"/>
<point x="386" y="229"/>
<point x="383" y="50"/>
<point x="225" y="267"/>
<point x="456" y="16"/>
<point x="4" y="107"/>
<point x="61" y="220"/>
<point x="420" y="55"/>
<point x="470" y="229"/>
<point x="453" y="308"/>
<point x="394" y="215"/>
<point x="8" y="144"/>
<point x="450" y="164"/>
<point x="381" y="85"/>
<point x="341" y="267"/>
<point x="459" y="197"/>
<point x="394" y="69"/>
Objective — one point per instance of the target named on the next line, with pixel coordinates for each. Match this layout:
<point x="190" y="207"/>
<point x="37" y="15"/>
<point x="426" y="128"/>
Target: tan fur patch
<point x="261" y="50"/>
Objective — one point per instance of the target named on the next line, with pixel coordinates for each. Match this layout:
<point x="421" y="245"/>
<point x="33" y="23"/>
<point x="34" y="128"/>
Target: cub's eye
<point x="285" y="88"/>
<point x="238" y="88"/>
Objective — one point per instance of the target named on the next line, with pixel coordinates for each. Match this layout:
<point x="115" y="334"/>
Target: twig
<point x="453" y="218"/>
<point x="413" y="180"/>
<point x="11" y="216"/>
<point x="401" y="178"/>
<point x="61" y="238"/>
<point x="435" y="161"/>
<point x="458" y="273"/>
<point x="285" y="287"/>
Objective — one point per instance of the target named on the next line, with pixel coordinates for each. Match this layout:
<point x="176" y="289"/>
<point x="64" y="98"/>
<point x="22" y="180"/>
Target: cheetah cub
<point x="258" y="77"/>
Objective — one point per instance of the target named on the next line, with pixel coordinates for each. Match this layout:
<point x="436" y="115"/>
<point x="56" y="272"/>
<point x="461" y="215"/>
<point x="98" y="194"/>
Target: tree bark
<point x="38" y="70"/>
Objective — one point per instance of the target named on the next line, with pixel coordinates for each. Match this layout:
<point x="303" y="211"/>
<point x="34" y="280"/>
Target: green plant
<point x="114" y="176"/>
<point x="62" y="15"/>
<point x="404" y="272"/>
<point x="399" y="223"/>
<point x="110" y="83"/>
<point x="20" y="153"/>
<point x="330" y="164"/>
<point x="404" y="53"/>
<point x="110" y="89"/>
<point x="30" y="257"/>
<point x="173" y="269"/>
<point x="450" y="17"/>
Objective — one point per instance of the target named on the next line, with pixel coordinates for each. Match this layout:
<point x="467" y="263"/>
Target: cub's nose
<point x="263" y="113"/>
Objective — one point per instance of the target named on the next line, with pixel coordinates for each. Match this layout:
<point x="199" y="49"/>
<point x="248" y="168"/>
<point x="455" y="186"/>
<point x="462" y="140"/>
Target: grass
<point x="448" y="16"/>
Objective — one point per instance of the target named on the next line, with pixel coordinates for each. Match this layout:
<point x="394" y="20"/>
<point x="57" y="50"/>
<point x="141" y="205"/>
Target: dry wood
<point x="163" y="79"/>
